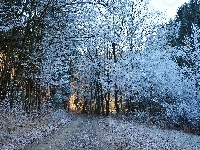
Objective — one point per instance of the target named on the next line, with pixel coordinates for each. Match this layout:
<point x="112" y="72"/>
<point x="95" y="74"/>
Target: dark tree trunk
<point x="128" y="105"/>
<point x="91" y="96"/>
<point x="114" y="52"/>
<point x="102" y="100"/>
<point x="98" y="108"/>
<point x="107" y="103"/>
<point x="116" y="99"/>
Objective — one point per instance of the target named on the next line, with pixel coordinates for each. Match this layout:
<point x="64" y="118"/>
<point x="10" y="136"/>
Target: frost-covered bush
<point x="186" y="110"/>
<point x="164" y="90"/>
<point x="162" y="85"/>
<point x="153" y="75"/>
<point x="57" y="101"/>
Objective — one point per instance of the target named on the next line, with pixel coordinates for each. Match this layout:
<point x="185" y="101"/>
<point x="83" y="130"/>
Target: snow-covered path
<point x="113" y="134"/>
<point x="66" y="138"/>
<point x="83" y="133"/>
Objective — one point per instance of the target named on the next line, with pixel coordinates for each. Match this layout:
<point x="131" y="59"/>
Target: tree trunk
<point x="98" y="106"/>
<point x="102" y="100"/>
<point x="116" y="99"/>
<point x="107" y="103"/>
<point x="91" y="100"/>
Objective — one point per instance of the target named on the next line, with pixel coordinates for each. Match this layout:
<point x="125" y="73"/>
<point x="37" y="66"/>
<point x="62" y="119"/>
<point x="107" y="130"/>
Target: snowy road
<point x="111" y="134"/>
<point x="83" y="133"/>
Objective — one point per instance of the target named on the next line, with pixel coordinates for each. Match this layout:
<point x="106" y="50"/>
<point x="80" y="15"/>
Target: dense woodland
<point x="101" y="51"/>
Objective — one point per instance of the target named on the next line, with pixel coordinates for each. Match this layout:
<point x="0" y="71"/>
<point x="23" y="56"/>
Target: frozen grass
<point x="84" y="132"/>
<point x="134" y="136"/>
<point x="18" y="129"/>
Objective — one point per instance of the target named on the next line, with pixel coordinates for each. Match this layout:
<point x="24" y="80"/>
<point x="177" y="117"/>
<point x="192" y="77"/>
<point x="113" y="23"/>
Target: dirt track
<point x="81" y="134"/>
<point x="113" y="134"/>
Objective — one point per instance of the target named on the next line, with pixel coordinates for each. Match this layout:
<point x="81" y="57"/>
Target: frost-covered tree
<point x="187" y="14"/>
<point x="26" y="26"/>
<point x="21" y="29"/>
<point x="67" y="28"/>
<point x="117" y="27"/>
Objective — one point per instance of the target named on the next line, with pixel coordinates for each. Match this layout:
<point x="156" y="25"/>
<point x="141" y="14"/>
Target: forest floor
<point x="18" y="129"/>
<point x="108" y="133"/>
<point x="68" y="131"/>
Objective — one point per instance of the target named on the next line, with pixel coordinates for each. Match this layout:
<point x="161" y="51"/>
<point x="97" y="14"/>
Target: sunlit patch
<point x="72" y="105"/>
<point x="76" y="105"/>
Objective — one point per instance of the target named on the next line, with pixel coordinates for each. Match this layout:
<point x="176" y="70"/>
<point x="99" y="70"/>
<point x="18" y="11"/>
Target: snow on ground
<point x="113" y="134"/>
<point x="61" y="131"/>
<point x="18" y="130"/>
<point x="134" y="136"/>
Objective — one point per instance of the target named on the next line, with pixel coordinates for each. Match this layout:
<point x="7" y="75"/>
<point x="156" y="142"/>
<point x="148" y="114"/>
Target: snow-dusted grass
<point x="85" y="132"/>
<point x="134" y="136"/>
<point x="18" y="129"/>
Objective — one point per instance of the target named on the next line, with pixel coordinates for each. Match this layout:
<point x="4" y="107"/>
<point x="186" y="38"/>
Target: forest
<point x="101" y="58"/>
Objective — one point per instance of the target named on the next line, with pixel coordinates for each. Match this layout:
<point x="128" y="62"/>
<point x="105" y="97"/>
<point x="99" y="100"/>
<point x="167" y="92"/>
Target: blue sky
<point x="170" y="6"/>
